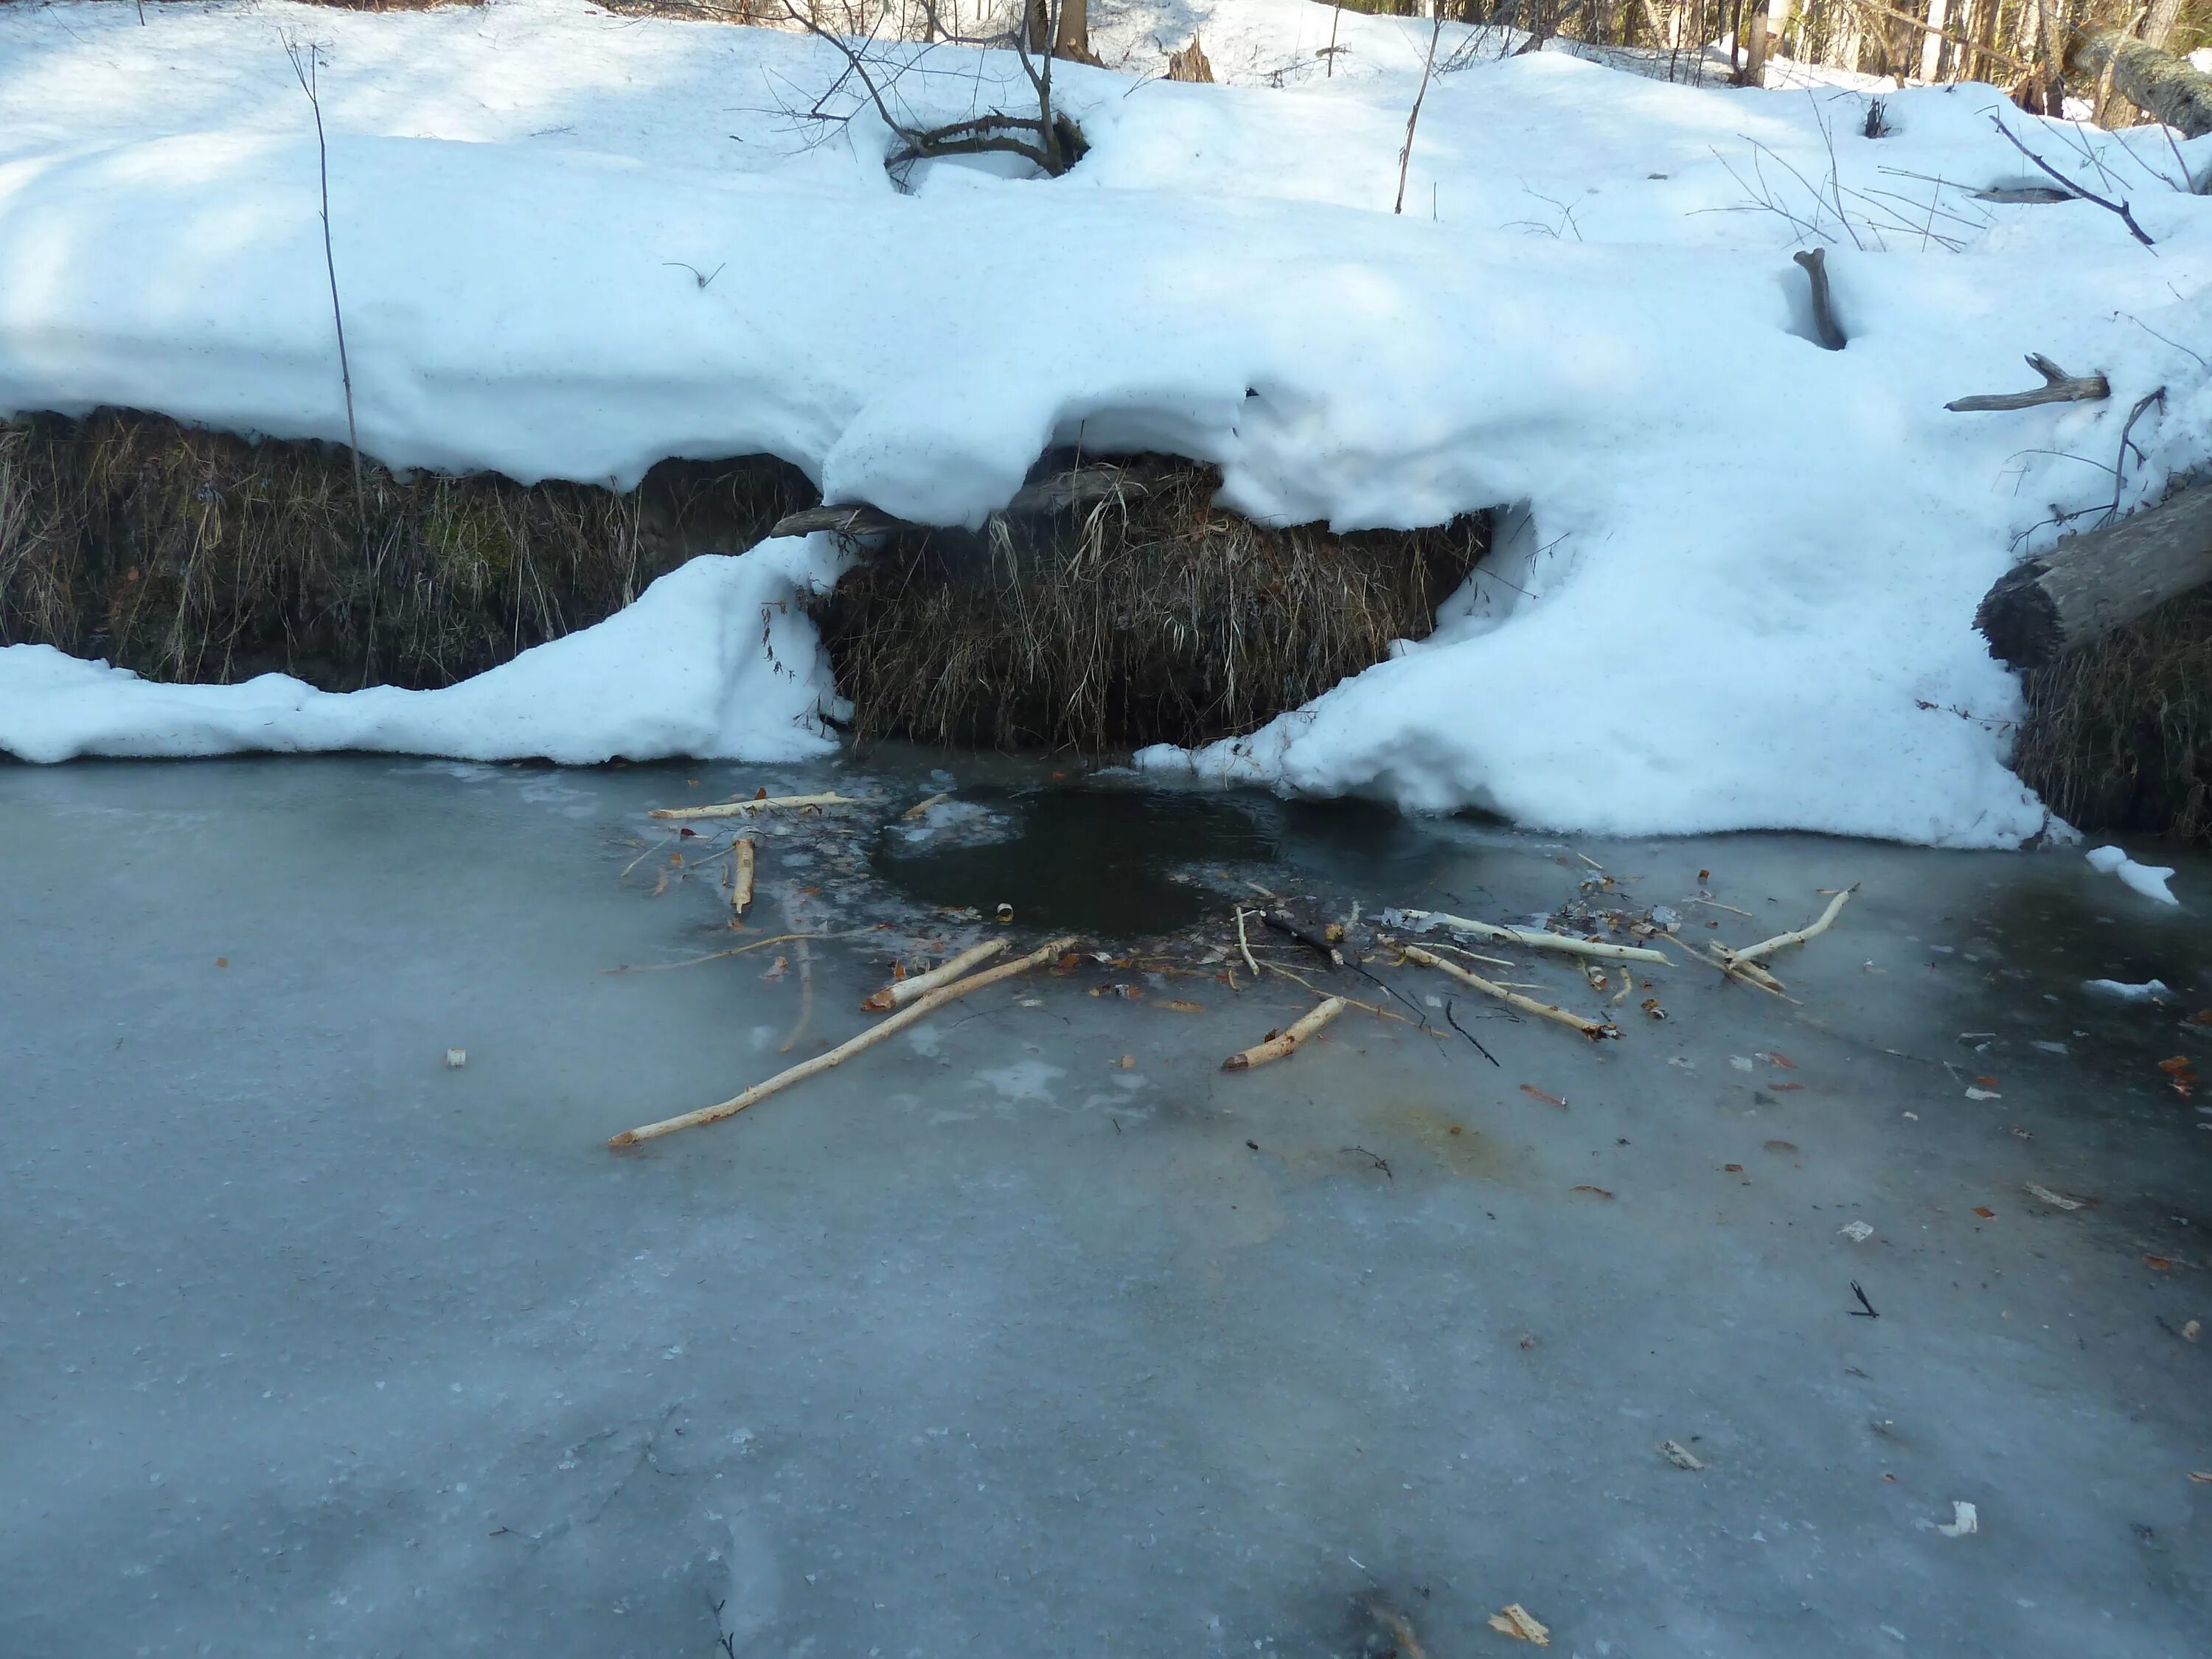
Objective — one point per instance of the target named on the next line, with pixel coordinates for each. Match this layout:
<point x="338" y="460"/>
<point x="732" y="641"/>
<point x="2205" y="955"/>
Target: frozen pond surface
<point x="988" y="1343"/>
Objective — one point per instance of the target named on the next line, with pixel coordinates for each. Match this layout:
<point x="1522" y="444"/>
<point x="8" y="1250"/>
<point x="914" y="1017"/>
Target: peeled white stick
<point x="900" y="992"/>
<point x="741" y="877"/>
<point x="1534" y="939"/>
<point x="843" y="1051"/>
<point x="1592" y="1029"/>
<point x="1746" y="973"/>
<point x="1285" y="1041"/>
<point x="740" y="809"/>
<point x="1768" y="946"/>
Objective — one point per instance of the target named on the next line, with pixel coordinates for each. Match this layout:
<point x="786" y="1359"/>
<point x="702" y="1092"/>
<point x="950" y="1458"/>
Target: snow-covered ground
<point x="1740" y="569"/>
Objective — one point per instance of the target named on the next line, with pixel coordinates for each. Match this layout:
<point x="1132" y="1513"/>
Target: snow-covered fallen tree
<point x="1736" y="574"/>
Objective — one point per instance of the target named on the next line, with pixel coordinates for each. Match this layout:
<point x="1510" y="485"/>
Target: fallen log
<point x="843" y="1051"/>
<point x="2094" y="582"/>
<point x="2163" y="86"/>
<point x="2058" y="388"/>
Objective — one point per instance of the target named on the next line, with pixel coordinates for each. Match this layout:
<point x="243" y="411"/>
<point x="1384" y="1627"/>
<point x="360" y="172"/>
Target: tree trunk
<point x="2090" y="584"/>
<point x="1931" y="46"/>
<point x="2163" y="86"/>
<point x="2051" y="57"/>
<point x="1755" y="62"/>
<point x="1073" y="37"/>
<point x="2165" y="17"/>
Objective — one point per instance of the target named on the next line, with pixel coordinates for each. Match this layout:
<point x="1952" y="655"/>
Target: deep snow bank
<point x="1739" y="593"/>
<point x="713" y="659"/>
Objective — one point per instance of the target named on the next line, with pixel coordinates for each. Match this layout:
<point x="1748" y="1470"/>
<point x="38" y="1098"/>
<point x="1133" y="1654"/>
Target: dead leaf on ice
<point x="1517" y="1622"/>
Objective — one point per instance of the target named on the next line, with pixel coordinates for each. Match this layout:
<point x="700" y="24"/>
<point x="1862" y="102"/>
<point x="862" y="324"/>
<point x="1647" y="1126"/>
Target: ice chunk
<point x="2148" y="879"/>
<point x="2152" y="990"/>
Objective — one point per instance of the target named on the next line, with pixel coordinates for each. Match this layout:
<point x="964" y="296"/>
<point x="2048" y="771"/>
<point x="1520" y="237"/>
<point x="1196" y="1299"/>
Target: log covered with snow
<point x="2165" y="87"/>
<point x="2092" y="583"/>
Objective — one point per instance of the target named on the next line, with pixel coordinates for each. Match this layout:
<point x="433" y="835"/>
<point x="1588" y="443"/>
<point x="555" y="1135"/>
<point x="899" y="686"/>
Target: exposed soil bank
<point x="2118" y="734"/>
<point x="194" y="556"/>
<point x="1152" y="615"/>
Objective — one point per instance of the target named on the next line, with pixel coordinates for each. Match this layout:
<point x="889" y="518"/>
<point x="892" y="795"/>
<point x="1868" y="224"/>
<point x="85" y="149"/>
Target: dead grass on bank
<point x="2118" y="734"/>
<point x="195" y="556"/>
<point x="1148" y="616"/>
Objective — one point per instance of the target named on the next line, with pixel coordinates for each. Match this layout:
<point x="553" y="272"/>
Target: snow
<point x="1738" y="571"/>
<point x="694" y="668"/>
<point x="2148" y="879"/>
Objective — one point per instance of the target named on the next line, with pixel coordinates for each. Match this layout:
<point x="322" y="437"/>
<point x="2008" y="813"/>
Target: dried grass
<point x="1145" y="618"/>
<point x="2118" y="734"/>
<point x="195" y="556"/>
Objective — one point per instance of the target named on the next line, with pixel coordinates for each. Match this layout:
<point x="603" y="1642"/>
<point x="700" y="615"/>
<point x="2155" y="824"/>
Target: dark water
<point x="1091" y="860"/>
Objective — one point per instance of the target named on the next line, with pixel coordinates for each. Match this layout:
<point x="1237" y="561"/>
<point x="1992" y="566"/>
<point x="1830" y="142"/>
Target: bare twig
<point x="1766" y="947"/>
<point x="2127" y="441"/>
<point x="1533" y="938"/>
<point x="305" y="65"/>
<point x="843" y="1051"/>
<point x="1593" y="1030"/>
<point x="1428" y="66"/>
<point x="2071" y="187"/>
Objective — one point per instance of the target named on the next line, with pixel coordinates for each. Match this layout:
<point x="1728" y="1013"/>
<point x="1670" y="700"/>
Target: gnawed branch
<point x="2058" y="388"/>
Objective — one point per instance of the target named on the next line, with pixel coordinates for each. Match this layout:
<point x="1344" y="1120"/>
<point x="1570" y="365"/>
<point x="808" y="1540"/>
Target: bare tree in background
<point x="1428" y="67"/>
<point x="1048" y="139"/>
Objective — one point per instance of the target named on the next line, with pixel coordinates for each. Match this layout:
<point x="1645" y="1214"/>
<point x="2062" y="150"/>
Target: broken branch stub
<point x="741" y="876"/>
<point x="843" y="1051"/>
<point x="1815" y="262"/>
<point x="1285" y="1041"/>
<point x="1595" y="1031"/>
<point x="2058" y="388"/>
